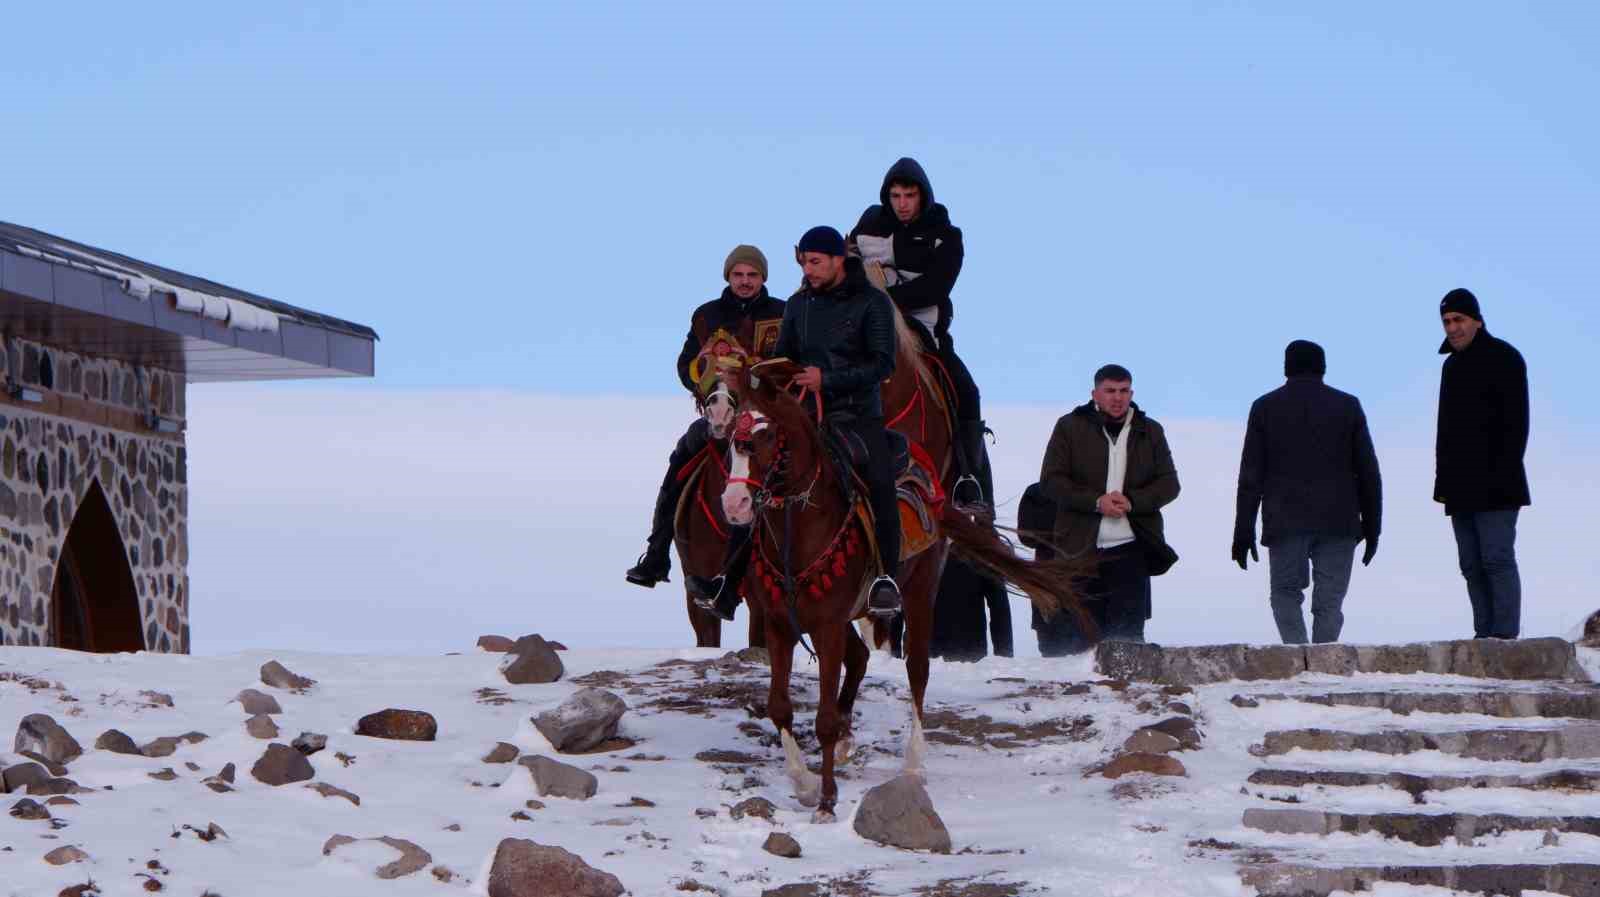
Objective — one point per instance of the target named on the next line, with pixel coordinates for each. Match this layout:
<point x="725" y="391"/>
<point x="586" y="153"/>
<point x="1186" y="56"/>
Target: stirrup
<point x="977" y="489"/>
<point x="710" y="601"/>
<point x="876" y="609"/>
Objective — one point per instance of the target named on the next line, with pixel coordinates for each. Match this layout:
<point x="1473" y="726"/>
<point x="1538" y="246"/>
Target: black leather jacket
<point x="847" y="332"/>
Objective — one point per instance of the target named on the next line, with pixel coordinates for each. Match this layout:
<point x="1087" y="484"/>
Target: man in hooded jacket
<point x="910" y="237"/>
<point x="1479" y="474"/>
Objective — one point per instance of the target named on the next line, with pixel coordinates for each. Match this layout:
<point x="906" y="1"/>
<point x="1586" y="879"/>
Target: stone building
<point x="96" y="352"/>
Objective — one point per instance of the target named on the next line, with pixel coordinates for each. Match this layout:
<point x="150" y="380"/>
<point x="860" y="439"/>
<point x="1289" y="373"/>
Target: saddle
<point x="915" y="477"/>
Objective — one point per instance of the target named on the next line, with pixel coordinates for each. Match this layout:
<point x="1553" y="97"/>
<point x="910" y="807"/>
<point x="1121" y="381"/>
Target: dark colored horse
<point x="813" y="565"/>
<point x="701" y="531"/>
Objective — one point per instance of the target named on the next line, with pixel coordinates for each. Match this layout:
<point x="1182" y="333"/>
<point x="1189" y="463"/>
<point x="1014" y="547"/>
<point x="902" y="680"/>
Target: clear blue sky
<point x="534" y="195"/>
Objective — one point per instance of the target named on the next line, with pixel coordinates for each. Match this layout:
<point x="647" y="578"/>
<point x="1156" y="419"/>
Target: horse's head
<point x="718" y="410"/>
<point x="765" y="438"/>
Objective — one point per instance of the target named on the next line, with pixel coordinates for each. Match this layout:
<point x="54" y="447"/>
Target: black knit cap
<point x="1303" y="357"/>
<point x="1461" y="301"/>
<point x="823" y="239"/>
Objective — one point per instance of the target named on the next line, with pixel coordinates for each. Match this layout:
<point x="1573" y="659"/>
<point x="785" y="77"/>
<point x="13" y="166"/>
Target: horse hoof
<point x="823" y="817"/>
<point x="842" y="751"/>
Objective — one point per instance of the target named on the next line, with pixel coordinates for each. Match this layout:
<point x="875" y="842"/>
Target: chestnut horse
<point x="813" y="564"/>
<point x="700" y="531"/>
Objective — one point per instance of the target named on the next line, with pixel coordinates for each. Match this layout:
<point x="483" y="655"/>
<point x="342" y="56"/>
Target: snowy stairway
<point x="1473" y="766"/>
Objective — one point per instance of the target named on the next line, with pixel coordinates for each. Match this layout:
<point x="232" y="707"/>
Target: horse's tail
<point x="1052" y="586"/>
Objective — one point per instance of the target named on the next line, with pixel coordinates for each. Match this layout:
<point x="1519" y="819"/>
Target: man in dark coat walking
<point x="1110" y="472"/>
<point x="747" y="319"/>
<point x="1479" y="473"/>
<point x="1309" y="466"/>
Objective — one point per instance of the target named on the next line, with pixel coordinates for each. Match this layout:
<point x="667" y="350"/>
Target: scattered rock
<point x="534" y="805"/>
<point x="39" y="734"/>
<point x="1155" y="764"/>
<point x="61" y="801"/>
<point x="1181" y="728"/>
<point x="412" y="858"/>
<point x="399" y="725"/>
<point x="276" y="675"/>
<point x="19" y="777"/>
<point x="164" y="774"/>
<point x="87" y="889"/>
<point x="1180" y="707"/>
<point x="54" y="786"/>
<point x="495" y="644"/>
<point x="255" y="702"/>
<point x="309" y="743"/>
<point x="61" y="856"/>
<point x="900" y="813"/>
<point x="116" y="742"/>
<point x="281" y="765"/>
<point x="167" y="745"/>
<point x="552" y="778"/>
<point x="443" y="874"/>
<point x="156" y="698"/>
<point x="759" y="807"/>
<point x="1244" y="701"/>
<point x="501" y="753"/>
<point x="30" y="810"/>
<point x="754" y="654"/>
<point x="226" y="774"/>
<point x="524" y="868"/>
<point x="705" y="813"/>
<point x="532" y="660"/>
<point x="54" y="768"/>
<point x="1150" y="741"/>
<point x="782" y="845"/>
<point x="1551" y="839"/>
<point x="326" y="790"/>
<point x="582" y="721"/>
<point x="261" y="726"/>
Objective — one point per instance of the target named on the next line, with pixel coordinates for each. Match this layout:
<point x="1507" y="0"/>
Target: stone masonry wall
<point x="46" y="469"/>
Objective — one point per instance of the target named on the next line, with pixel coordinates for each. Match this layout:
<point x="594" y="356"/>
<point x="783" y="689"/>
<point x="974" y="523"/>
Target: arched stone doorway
<point x="94" y="605"/>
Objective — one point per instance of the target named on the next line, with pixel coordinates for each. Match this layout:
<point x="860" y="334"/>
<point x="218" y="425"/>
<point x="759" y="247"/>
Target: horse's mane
<point x="909" y="347"/>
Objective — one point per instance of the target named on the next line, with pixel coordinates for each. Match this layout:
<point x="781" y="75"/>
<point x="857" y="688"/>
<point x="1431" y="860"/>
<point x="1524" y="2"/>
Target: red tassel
<point x="815" y="591"/>
<point x="827" y="582"/>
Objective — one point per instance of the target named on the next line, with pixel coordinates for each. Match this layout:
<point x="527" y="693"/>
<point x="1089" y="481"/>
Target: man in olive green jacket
<point x="1110" y="472"/>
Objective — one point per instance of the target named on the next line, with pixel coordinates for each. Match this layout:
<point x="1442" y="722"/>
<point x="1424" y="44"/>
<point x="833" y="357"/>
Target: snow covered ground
<point x="1009" y="746"/>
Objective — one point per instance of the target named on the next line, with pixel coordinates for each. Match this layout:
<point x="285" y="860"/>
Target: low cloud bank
<point x="369" y="520"/>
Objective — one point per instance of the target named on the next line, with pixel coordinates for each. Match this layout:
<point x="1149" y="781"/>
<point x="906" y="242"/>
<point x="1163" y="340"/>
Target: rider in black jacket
<point x="840" y="329"/>
<point x="920" y="251"/>
<point x="746" y="315"/>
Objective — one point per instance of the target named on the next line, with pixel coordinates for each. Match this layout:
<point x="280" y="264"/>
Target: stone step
<point x="1524" y="659"/>
<point x="1422" y="829"/>
<point x="1569" y="703"/>
<point x="1416" y="785"/>
<point x="1520" y="745"/>
<point x="1305" y="880"/>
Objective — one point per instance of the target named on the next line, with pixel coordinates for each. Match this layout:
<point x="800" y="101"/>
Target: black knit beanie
<point x="823" y="239"/>
<point x="1303" y="357"/>
<point x="1461" y="301"/>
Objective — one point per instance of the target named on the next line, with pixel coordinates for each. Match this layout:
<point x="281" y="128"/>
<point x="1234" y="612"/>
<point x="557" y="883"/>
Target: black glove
<point x="1372" y="549"/>
<point x="1244" y="545"/>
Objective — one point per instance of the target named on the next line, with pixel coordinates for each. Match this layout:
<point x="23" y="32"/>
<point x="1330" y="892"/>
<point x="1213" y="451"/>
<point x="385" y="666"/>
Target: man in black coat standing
<point x="1480" y="478"/>
<point x="1309" y="466"/>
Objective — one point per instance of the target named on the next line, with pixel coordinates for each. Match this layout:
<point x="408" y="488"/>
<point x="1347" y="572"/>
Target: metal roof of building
<point x="63" y="293"/>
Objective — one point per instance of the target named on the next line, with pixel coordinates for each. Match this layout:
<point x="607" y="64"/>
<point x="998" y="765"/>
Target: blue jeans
<point x="1486" y="542"/>
<point x="1302" y="559"/>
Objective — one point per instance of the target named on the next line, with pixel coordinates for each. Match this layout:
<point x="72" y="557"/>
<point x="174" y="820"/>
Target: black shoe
<point x="652" y="568"/>
<point x="714" y="597"/>
<point x="884" y="602"/>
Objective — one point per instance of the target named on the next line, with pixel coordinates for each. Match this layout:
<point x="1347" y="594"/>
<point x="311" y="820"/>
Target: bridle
<point x="764" y="493"/>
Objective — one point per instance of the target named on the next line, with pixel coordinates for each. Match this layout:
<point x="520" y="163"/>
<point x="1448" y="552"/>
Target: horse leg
<point x="780" y="651"/>
<point x="830" y="646"/>
<point x="855" y="669"/>
<point x="920" y="592"/>
<point x="758" y="622"/>
<point x="707" y="628"/>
